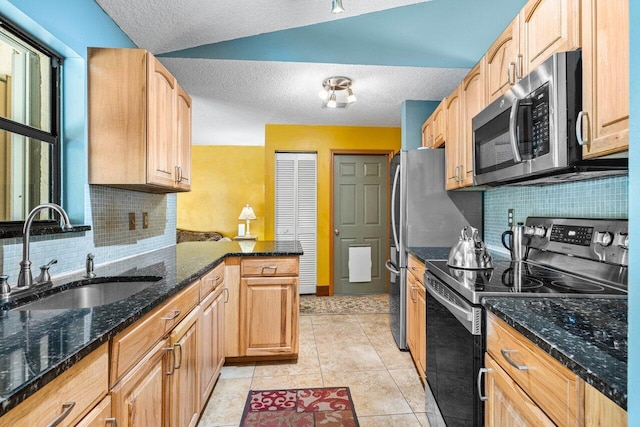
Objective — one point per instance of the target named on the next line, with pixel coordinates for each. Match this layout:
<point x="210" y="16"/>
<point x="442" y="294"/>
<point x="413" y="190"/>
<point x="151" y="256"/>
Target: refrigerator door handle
<point x="392" y="267"/>
<point x="393" y="208"/>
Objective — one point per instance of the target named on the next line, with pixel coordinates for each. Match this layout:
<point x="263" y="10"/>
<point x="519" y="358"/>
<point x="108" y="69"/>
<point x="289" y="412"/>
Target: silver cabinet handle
<point x="581" y="116"/>
<point x="520" y="67"/>
<point x="173" y="365"/>
<point x="174" y="362"/>
<point x="480" y="372"/>
<point x="269" y="267"/>
<point x="226" y="295"/>
<point x="506" y="354"/>
<point x="66" y="410"/>
<point x="176" y="313"/>
<point x="510" y="67"/>
<point x="111" y="421"/>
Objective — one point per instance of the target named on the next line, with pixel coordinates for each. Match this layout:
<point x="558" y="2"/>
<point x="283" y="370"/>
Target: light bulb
<point x="323" y="94"/>
<point x="350" y="97"/>
<point x="336" y="6"/>
<point x="332" y="101"/>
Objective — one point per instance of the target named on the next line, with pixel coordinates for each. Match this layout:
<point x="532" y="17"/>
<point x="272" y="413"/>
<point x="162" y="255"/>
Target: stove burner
<point x="577" y="285"/>
<point x="525" y="283"/>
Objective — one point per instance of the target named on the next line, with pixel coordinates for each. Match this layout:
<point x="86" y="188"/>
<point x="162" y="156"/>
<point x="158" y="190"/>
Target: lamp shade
<point x="247" y="213"/>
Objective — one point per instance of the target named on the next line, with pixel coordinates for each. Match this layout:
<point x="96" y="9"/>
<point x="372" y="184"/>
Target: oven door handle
<point x="513" y="124"/>
<point x="454" y="308"/>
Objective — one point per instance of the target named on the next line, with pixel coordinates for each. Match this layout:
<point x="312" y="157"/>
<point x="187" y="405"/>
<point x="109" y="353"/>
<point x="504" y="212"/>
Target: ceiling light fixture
<point x="336" y="6"/>
<point x="337" y="92"/>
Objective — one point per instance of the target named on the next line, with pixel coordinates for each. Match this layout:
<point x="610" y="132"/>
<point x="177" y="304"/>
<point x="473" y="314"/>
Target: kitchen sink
<point x="105" y="291"/>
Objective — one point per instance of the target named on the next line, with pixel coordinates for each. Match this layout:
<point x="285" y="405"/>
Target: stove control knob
<point x="603" y="238"/>
<point x="539" y="231"/>
<point x="621" y="240"/>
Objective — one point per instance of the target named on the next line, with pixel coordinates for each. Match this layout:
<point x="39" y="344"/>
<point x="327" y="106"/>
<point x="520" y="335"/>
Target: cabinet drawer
<point x="557" y="391"/>
<point x="415" y="266"/>
<point x="272" y="266"/>
<point x="100" y="416"/>
<point x="84" y="384"/>
<point x="211" y="280"/>
<point x="131" y="344"/>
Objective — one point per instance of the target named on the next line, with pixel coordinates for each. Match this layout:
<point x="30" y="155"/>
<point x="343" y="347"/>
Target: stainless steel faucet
<point x="25" y="278"/>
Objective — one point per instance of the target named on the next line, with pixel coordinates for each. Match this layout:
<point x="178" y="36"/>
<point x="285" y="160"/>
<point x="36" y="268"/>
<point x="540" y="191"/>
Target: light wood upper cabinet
<point x="473" y="101"/>
<point x="542" y="28"/>
<point x="427" y="133"/>
<point x="499" y="62"/>
<point x="454" y="139"/>
<point x="546" y="27"/>
<point x="139" y="123"/>
<point x="439" y="124"/>
<point x="605" y="77"/>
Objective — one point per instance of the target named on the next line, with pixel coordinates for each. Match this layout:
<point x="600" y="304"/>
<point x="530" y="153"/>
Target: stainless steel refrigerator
<point x="423" y="214"/>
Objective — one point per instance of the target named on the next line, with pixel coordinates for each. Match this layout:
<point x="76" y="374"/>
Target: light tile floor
<point x="357" y="351"/>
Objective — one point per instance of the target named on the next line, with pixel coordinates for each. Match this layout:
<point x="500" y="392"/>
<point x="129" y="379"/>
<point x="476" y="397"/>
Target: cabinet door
<point x="473" y="101"/>
<point x="602" y="411"/>
<point x="161" y="133"/>
<point x="421" y="330"/>
<point x="546" y="27"/>
<point x="454" y="142"/>
<point x="139" y="399"/>
<point x="411" y="307"/>
<point x="211" y="339"/>
<point x="499" y="62"/>
<point x="439" y="124"/>
<point x="427" y="133"/>
<point x="507" y="404"/>
<point x="605" y="74"/>
<point x="184" y="402"/>
<point x="183" y="140"/>
<point x="270" y="316"/>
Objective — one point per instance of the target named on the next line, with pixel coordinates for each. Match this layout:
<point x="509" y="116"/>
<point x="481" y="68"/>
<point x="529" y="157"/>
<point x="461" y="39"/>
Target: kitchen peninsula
<point x="39" y="347"/>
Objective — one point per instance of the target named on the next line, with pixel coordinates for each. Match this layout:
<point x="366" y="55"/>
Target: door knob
<point x="336" y="232"/>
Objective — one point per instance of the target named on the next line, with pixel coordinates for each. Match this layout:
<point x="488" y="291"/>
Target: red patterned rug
<point x="305" y="407"/>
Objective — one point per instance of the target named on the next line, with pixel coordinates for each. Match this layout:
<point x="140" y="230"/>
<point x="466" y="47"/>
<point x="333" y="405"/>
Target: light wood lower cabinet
<point x="68" y="398"/>
<point x="600" y="411"/>
<point x="416" y="315"/>
<point x="211" y="330"/>
<point x="184" y="387"/>
<point x="558" y="392"/>
<point x="139" y="399"/>
<point x="265" y="324"/>
<point x="508" y="404"/>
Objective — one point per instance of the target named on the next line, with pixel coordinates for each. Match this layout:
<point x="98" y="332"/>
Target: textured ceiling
<point x="248" y="64"/>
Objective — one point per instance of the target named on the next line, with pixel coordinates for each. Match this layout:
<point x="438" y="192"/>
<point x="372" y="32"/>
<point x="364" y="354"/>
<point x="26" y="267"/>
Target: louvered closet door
<point x="296" y="210"/>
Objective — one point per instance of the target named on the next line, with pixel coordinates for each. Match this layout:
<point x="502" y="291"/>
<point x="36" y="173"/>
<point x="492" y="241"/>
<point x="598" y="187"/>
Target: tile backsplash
<point x="597" y="198"/>
<point x="107" y="211"/>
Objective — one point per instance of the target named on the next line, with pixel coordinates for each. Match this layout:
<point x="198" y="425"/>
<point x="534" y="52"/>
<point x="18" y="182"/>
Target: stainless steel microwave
<point x="529" y="133"/>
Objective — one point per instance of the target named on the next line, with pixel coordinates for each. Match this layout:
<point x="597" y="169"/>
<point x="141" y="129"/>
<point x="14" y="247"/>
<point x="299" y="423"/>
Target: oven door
<point x="455" y="351"/>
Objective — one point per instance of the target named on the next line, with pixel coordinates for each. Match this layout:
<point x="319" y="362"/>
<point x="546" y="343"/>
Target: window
<point x="29" y="125"/>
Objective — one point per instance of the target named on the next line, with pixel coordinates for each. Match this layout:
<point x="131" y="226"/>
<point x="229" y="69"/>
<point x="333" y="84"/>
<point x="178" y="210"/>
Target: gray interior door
<point x="360" y="222"/>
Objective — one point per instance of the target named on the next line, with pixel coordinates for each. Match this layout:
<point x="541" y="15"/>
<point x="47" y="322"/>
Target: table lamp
<point x="247" y="214"/>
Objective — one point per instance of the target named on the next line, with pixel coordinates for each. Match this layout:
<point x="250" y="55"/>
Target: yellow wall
<point x="319" y="139"/>
<point x="223" y="179"/>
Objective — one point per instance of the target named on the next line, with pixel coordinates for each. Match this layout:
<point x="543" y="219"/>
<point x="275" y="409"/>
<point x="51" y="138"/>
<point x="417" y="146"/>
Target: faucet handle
<point x="5" y="289"/>
<point x="89" y="266"/>
<point x="44" y="276"/>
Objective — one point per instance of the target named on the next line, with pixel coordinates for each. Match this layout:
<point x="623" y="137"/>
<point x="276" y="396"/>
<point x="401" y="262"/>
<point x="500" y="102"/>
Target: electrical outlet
<point x="510" y="217"/>
<point x="132" y="220"/>
<point x="145" y="219"/>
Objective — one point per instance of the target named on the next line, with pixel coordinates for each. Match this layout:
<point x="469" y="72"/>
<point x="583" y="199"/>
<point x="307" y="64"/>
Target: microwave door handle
<point x="513" y="124"/>
<point x="396" y="178"/>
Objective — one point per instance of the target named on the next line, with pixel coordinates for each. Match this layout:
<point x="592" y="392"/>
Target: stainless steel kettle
<point x="470" y="252"/>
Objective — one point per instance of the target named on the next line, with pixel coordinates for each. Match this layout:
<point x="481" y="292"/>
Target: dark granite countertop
<point x="38" y="345"/>
<point x="587" y="335"/>
<point x="427" y="253"/>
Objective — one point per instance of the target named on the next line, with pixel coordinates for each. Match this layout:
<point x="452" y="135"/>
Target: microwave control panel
<point x="539" y="116"/>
